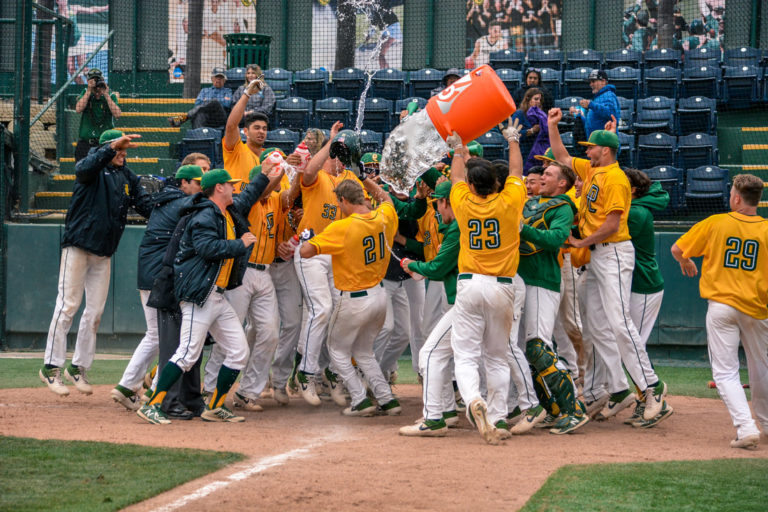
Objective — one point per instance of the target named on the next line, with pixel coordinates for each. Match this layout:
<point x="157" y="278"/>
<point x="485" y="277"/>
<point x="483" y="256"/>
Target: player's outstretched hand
<point x="574" y="242"/>
<point x="555" y="115"/>
<point x="454" y="141"/>
<point x="611" y="125"/>
<point x="255" y="86"/>
<point x="293" y="159"/>
<point x="125" y="142"/>
<point x="248" y="238"/>
<point x="422" y="190"/>
<point x="285" y="250"/>
<point x="512" y="131"/>
<point x="689" y="268"/>
<point x="267" y="166"/>
<point x="336" y="128"/>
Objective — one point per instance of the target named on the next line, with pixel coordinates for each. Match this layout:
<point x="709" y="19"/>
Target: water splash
<point x="369" y="72"/>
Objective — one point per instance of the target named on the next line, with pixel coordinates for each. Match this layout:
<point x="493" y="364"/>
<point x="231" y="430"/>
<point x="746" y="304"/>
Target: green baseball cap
<point x="189" y="172"/>
<point x="474" y="148"/>
<point x="266" y="152"/>
<point x="216" y="176"/>
<point x="430" y="177"/>
<point x="109" y="136"/>
<point x="370" y="159"/>
<point x="548" y="156"/>
<point x="256" y="170"/>
<point x="442" y="190"/>
<point x="93" y="73"/>
<point x="602" y="138"/>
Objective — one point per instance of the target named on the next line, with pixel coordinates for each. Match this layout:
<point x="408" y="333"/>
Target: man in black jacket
<point x="211" y="259"/>
<point x="168" y="204"/>
<point x="104" y="191"/>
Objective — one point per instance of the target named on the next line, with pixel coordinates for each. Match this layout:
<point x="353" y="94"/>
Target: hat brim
<point x="543" y="158"/>
<point x="583" y="143"/>
<point x="222" y="75"/>
<point x="234" y="180"/>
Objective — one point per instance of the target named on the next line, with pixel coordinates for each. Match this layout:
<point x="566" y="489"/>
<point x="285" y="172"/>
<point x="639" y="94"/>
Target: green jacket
<point x="542" y="268"/>
<point x="96" y="118"/>
<point x="445" y="266"/>
<point x="646" y="277"/>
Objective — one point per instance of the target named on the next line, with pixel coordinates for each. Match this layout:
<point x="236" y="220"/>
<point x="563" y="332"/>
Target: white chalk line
<point x="255" y="468"/>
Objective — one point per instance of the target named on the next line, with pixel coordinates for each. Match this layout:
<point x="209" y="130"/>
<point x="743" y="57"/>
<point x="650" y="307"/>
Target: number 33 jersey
<point x="735" y="266"/>
<point x="490" y="228"/>
<point x="606" y="189"/>
<point x="359" y="246"/>
<point x="319" y="201"/>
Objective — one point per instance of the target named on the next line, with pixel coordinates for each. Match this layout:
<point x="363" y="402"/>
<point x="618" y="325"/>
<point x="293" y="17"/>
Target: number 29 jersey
<point x="319" y="201"/>
<point x="489" y="228"/>
<point x="735" y="266"/>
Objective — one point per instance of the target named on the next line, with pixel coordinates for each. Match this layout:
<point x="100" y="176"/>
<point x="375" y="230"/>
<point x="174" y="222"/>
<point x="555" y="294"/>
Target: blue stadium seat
<point x="624" y="57"/>
<point x="655" y="149"/>
<point x="696" y="114"/>
<point x="666" y="57"/>
<point x="330" y="110"/>
<point x="662" y="81"/>
<point x="235" y="77"/>
<point x="564" y="104"/>
<point x="378" y="115"/>
<point x="494" y="145"/>
<point x="203" y="140"/>
<point x="424" y="80"/>
<point x="347" y="83"/>
<point x="625" y="79"/>
<point x="671" y="179"/>
<point x="280" y="81"/>
<point x="576" y="83"/>
<point x="626" y="154"/>
<point x="627" y="106"/>
<point x="568" y="142"/>
<point x="584" y="59"/>
<point x="287" y="140"/>
<point x="552" y="59"/>
<point x="388" y="83"/>
<point x="701" y="81"/>
<point x="655" y="114"/>
<point x="707" y="188"/>
<point x="203" y="133"/>
<point x="740" y="86"/>
<point x="551" y="79"/>
<point x="310" y="83"/>
<point x="507" y="59"/>
<point x="696" y="150"/>
<point x="371" y="142"/>
<point x="744" y="56"/>
<point x="511" y="78"/>
<point x="699" y="57"/>
<point x="293" y="113"/>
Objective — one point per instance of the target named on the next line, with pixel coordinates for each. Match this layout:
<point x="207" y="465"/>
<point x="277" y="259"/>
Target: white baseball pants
<point x="146" y="351"/>
<point x="644" y="309"/>
<point x="568" y="327"/>
<point x="396" y="332"/>
<point x="80" y="271"/>
<point x="435" y="368"/>
<point x="416" y="291"/>
<point x="725" y="326"/>
<point x="218" y="317"/>
<point x="355" y="322"/>
<point x="541" y="306"/>
<point x="483" y="317"/>
<point x="595" y="371"/>
<point x="316" y="279"/>
<point x="288" y="292"/>
<point x="523" y="395"/>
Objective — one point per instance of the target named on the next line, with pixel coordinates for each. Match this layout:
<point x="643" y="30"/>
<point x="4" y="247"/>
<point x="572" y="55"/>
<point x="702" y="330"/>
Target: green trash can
<point x="244" y="49"/>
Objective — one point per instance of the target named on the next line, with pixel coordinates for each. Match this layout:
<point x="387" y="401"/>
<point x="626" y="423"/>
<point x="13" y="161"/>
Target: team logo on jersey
<point x="448" y="95"/>
<point x="594" y="190"/>
<point x="127" y="190"/>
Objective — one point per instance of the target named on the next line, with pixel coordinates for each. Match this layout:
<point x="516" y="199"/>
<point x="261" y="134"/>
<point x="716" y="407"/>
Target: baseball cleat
<point x="515" y="416"/>
<point x="748" y="442"/>
<point x="425" y="428"/>
<point x="666" y="412"/>
<point x="617" y="403"/>
<point x="594" y="407"/>
<point x="451" y="419"/>
<point x="221" y="414"/>
<point x="52" y="377"/>
<point x="569" y="423"/>
<point x="245" y="403"/>
<point x="76" y="375"/>
<point x="335" y="387"/>
<point x="502" y="429"/>
<point x="126" y="398"/>
<point x="364" y="409"/>
<point x="280" y="396"/>
<point x="532" y="418"/>
<point x="654" y="400"/>
<point x="391" y="408"/>
<point x="637" y="415"/>
<point x="153" y="414"/>
<point x="478" y="414"/>
<point x="305" y="383"/>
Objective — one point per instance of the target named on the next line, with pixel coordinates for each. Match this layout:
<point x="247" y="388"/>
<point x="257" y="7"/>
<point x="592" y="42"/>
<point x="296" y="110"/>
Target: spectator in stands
<point x="531" y="24"/>
<point x="533" y="79"/>
<point x="493" y="42"/>
<point x="99" y="110"/>
<point x="515" y="23"/>
<point x="450" y="76"/>
<point x="528" y="132"/>
<point x="211" y="105"/>
<point x="263" y="101"/>
<point x="478" y="18"/>
<point x="602" y="106"/>
<point x="314" y="139"/>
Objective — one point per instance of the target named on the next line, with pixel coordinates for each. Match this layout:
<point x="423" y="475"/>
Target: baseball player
<point x="647" y="283"/>
<point x="240" y="157"/>
<point x="211" y="260"/>
<point x="734" y="279"/>
<point x="488" y="258"/>
<point x="603" y="227"/>
<point x="104" y="191"/>
<point x="532" y="180"/>
<point x="359" y="248"/>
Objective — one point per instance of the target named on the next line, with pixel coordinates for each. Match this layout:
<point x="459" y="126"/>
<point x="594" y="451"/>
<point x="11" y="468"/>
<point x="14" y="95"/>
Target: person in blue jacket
<point x="603" y="105"/>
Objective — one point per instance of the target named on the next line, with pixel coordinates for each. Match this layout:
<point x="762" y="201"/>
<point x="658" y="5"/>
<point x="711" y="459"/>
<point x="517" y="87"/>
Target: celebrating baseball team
<point x="525" y="300"/>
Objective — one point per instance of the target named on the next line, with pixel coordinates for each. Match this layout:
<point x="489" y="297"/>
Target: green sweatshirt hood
<point x="656" y="199"/>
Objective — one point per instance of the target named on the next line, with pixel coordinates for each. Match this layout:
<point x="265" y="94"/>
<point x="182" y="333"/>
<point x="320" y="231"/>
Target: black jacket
<point x="100" y="201"/>
<point x="168" y="205"/>
<point x="204" y="245"/>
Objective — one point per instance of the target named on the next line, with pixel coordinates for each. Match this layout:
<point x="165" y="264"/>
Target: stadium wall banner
<point x="90" y="20"/>
<point x="697" y="24"/>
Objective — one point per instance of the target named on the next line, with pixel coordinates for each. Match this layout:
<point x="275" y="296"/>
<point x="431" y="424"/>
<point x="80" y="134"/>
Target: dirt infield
<point x="299" y="456"/>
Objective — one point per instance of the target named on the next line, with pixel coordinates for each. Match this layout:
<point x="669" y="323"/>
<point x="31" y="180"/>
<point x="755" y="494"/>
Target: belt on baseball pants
<point x="605" y="244"/>
<point x="219" y="289"/>
<point x="499" y="279"/>
<point x="258" y="266"/>
<point x="360" y="293"/>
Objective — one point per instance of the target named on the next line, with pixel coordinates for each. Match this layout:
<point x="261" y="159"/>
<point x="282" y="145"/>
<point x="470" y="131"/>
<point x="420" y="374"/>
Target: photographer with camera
<point x="99" y="109"/>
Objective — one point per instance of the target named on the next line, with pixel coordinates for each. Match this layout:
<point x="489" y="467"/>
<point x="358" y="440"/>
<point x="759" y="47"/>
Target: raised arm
<point x="460" y="155"/>
<point x="512" y="134"/>
<point x="232" y="131"/>
<point x="376" y="191"/>
<point x="555" y="142"/>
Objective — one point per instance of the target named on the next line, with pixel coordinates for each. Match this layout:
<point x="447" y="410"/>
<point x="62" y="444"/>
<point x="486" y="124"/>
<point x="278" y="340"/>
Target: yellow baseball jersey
<point x="226" y="265"/>
<point x="428" y="233"/>
<point x="239" y="161"/>
<point x="320" y="204"/>
<point x="489" y="228"/>
<point x="263" y="219"/>
<point x="359" y="247"/>
<point x="606" y="189"/>
<point x="735" y="266"/>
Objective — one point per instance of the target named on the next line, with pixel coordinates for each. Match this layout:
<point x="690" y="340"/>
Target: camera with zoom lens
<point x="99" y="83"/>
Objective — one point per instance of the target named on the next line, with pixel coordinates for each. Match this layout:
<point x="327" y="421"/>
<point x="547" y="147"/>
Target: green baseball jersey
<point x="547" y="224"/>
<point x="646" y="277"/>
<point x="445" y="266"/>
<point x="96" y="118"/>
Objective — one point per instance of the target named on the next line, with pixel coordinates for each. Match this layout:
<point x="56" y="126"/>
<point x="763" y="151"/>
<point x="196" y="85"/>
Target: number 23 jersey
<point x="490" y="228"/>
<point x="735" y="266"/>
